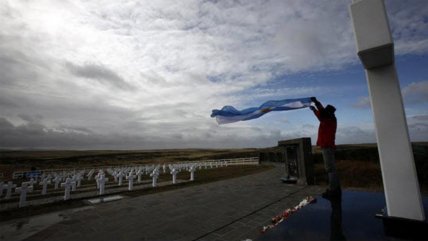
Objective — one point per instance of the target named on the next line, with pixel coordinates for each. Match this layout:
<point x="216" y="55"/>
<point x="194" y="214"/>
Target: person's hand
<point x="313" y="99"/>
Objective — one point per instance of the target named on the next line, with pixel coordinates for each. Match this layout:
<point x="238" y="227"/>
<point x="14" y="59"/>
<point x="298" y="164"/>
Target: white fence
<point x="243" y="161"/>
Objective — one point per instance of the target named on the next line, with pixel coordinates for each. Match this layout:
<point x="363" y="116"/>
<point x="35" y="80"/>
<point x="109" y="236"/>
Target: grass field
<point x="65" y="159"/>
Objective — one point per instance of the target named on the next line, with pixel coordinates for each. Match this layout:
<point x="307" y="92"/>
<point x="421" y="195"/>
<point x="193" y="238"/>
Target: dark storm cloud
<point x="34" y="135"/>
<point x="100" y="73"/>
<point x="15" y="67"/>
<point x="6" y="102"/>
<point x="30" y="118"/>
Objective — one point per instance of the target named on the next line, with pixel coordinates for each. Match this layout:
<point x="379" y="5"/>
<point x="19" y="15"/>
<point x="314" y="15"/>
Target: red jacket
<point x="327" y="128"/>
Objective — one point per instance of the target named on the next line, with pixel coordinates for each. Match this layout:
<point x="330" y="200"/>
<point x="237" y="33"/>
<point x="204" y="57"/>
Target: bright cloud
<point x="416" y="92"/>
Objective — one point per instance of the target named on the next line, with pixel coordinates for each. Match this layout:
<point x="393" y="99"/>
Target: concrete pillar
<point x="376" y="51"/>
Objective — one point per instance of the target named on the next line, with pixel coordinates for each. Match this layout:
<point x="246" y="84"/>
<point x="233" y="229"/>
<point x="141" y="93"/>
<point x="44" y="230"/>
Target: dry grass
<point x="353" y="174"/>
<point x="358" y="166"/>
<point x="25" y="160"/>
<point x="360" y="174"/>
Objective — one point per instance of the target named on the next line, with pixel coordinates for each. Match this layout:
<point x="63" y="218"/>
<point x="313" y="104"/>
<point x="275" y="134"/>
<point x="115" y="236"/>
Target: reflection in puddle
<point x="105" y="199"/>
<point x="336" y="231"/>
<point x="20" y="229"/>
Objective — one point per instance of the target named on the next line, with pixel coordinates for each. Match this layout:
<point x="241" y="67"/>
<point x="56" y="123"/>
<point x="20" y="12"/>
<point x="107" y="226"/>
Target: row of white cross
<point x="70" y="181"/>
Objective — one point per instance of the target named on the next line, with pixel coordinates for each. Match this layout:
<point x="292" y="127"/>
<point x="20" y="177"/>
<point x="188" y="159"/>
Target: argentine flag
<point x="228" y="114"/>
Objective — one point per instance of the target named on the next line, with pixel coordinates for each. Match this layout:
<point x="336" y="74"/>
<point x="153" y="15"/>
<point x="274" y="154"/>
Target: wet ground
<point x="352" y="217"/>
<point x="234" y="209"/>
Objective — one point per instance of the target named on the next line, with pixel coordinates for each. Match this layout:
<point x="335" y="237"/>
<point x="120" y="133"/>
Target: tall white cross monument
<point x="376" y="51"/>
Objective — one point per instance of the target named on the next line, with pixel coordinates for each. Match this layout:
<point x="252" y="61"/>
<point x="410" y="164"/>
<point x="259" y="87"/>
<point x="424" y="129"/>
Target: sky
<point x="115" y="74"/>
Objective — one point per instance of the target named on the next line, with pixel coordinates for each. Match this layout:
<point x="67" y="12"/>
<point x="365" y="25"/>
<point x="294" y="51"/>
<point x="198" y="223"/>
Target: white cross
<point x="120" y="176"/>
<point x="8" y="188"/>
<point x="79" y="178"/>
<point x="32" y="181"/>
<point x="139" y="174"/>
<point x="114" y="174"/>
<point x="192" y="170"/>
<point x="90" y="173"/>
<point x="131" y="178"/>
<point x="45" y="183"/>
<point x="102" y="180"/>
<point x="375" y="48"/>
<point x="154" y="175"/>
<point x="174" y="175"/>
<point x="97" y="177"/>
<point x="67" y="188"/>
<point x="57" y="180"/>
<point x="25" y="187"/>
<point x="73" y="183"/>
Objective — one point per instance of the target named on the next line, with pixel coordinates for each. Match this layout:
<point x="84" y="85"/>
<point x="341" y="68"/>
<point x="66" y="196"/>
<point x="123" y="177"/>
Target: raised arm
<point x="318" y="109"/>
<point x="318" y="104"/>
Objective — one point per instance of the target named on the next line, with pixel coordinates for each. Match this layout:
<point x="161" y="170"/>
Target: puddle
<point x="22" y="228"/>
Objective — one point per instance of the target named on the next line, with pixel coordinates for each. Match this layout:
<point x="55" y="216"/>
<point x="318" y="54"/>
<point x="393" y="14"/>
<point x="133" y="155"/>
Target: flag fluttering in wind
<point x="228" y="114"/>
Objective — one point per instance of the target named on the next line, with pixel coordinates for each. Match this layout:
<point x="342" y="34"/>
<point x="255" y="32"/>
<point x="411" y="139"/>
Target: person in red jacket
<point x="326" y="141"/>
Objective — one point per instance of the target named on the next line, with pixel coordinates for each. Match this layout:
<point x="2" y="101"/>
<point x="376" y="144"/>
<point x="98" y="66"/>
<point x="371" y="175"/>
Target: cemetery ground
<point x="203" y="176"/>
<point x="255" y="189"/>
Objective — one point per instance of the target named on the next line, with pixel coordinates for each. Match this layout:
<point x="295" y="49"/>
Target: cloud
<point x="35" y="135"/>
<point x="413" y="93"/>
<point x="7" y="102"/>
<point x="31" y="119"/>
<point x="408" y="21"/>
<point x="418" y="127"/>
<point x="416" y="92"/>
<point x="363" y="102"/>
<point x="355" y="134"/>
<point x="99" y="73"/>
<point x="148" y="73"/>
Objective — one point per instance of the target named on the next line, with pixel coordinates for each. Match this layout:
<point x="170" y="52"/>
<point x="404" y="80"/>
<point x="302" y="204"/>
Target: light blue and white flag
<point x="228" y="114"/>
